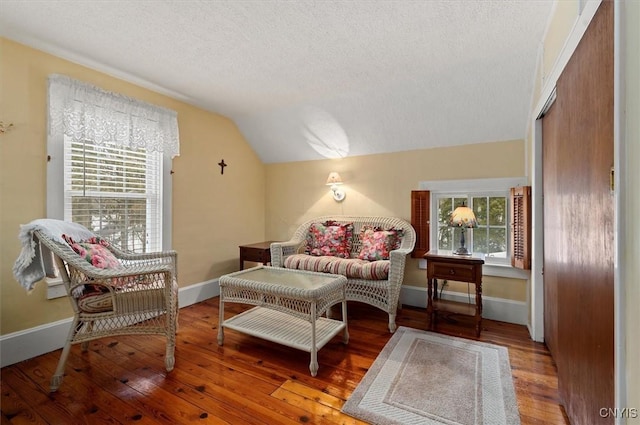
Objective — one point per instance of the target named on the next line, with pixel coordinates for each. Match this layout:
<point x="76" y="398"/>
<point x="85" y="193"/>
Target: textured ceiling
<point x="316" y="79"/>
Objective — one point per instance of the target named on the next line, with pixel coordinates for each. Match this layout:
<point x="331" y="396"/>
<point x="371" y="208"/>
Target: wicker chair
<point x="383" y="294"/>
<point x="138" y="298"/>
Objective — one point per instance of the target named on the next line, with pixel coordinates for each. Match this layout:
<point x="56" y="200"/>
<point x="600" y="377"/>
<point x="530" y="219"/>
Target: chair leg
<point x="56" y="379"/>
<point x="172" y="316"/>
<point x="392" y="322"/>
<point x="169" y="358"/>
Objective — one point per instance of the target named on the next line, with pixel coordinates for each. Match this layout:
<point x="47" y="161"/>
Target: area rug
<point x="428" y="378"/>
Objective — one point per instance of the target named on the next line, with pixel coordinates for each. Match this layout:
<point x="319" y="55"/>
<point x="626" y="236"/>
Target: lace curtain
<point x="85" y="112"/>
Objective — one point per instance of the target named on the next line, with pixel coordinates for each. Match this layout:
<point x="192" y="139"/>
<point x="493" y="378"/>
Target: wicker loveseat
<point x="373" y="281"/>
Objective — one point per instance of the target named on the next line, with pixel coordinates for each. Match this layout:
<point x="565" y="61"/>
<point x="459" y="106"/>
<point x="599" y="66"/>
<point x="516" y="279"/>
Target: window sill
<point x="55" y="288"/>
<point x="499" y="270"/>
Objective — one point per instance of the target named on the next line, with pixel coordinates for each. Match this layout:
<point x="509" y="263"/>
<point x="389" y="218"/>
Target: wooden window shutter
<point x="521" y="227"/>
<point x="420" y="205"/>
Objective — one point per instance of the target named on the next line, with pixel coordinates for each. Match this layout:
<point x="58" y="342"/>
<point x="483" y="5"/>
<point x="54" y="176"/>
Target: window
<point x="109" y="163"/>
<point x="115" y="191"/>
<point x="491" y="202"/>
<point x="489" y="238"/>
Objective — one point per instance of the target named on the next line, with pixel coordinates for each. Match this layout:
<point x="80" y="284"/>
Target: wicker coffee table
<point x="289" y="305"/>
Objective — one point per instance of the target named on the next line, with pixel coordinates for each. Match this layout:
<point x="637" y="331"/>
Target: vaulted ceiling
<point x="313" y="79"/>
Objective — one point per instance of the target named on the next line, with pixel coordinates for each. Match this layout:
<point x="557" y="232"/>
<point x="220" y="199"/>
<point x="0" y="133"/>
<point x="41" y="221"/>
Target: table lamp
<point x="464" y="218"/>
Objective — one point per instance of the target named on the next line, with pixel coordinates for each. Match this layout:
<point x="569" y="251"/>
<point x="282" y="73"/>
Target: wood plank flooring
<point x="246" y="381"/>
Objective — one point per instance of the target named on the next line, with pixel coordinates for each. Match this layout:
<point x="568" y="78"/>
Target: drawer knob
<point x="452" y="272"/>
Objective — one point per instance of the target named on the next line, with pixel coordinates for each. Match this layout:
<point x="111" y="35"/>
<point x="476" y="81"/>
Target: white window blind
<point x="115" y="191"/>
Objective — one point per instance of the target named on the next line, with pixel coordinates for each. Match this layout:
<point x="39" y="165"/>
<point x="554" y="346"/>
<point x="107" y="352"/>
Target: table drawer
<point x="451" y="271"/>
<point x="255" y="254"/>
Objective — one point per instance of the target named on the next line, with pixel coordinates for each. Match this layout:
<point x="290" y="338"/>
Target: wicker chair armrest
<point x="158" y="257"/>
<point x="133" y="262"/>
<point x="130" y="259"/>
<point x="135" y="270"/>
<point x="281" y="250"/>
<point x="399" y="253"/>
<point x="126" y="255"/>
<point x="398" y="259"/>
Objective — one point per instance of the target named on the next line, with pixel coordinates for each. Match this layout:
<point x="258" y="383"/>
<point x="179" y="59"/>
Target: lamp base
<point x="462" y="251"/>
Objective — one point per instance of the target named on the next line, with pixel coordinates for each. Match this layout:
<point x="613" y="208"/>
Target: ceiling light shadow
<point x="323" y="133"/>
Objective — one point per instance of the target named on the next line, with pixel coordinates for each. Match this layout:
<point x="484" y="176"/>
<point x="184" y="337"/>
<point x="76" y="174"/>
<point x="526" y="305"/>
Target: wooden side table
<point x="460" y="268"/>
<point x="258" y="252"/>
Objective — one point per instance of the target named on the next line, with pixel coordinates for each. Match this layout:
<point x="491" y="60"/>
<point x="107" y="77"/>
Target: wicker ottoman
<point x="289" y="305"/>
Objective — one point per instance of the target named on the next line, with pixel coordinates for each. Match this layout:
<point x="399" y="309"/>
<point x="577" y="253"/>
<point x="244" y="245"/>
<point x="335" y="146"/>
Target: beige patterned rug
<point x="428" y="378"/>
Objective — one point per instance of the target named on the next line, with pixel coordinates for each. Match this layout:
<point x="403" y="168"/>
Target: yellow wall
<point x="212" y="213"/>
<point x="382" y="185"/>
<point x="631" y="181"/>
<point x="564" y="16"/>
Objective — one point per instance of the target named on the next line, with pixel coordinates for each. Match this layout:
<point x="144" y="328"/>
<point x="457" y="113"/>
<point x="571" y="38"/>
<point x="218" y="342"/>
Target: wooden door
<point x="578" y="225"/>
<point x="552" y="222"/>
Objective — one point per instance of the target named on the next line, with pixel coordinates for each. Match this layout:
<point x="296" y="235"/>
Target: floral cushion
<point x="378" y="243"/>
<point x="95" y="250"/>
<point x="329" y="239"/>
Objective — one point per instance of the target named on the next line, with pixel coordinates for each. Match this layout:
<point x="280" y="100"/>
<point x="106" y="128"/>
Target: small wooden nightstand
<point x="460" y="268"/>
<point x="258" y="252"/>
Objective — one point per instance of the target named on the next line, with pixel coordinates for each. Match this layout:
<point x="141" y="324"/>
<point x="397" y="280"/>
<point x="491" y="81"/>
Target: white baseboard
<point x="29" y="343"/>
<point x="492" y="308"/>
<point x="199" y="292"/>
<point x="22" y="345"/>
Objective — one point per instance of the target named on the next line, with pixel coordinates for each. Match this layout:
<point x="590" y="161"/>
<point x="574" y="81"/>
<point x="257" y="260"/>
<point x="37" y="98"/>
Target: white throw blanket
<point x="35" y="261"/>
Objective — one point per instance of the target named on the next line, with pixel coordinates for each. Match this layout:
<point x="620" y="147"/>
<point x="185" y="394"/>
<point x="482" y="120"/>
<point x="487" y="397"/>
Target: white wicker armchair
<point x="138" y="298"/>
<point x="383" y="294"/>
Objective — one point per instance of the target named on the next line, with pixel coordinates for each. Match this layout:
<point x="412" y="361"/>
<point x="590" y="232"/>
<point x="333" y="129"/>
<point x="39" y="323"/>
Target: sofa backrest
<point x="408" y="239"/>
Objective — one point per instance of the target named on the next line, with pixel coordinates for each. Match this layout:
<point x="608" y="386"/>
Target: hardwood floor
<point x="246" y="381"/>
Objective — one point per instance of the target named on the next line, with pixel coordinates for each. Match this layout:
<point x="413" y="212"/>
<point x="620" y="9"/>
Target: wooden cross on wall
<point x="222" y="165"/>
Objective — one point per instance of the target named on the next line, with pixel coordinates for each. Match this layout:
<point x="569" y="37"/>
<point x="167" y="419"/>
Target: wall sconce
<point x="334" y="180"/>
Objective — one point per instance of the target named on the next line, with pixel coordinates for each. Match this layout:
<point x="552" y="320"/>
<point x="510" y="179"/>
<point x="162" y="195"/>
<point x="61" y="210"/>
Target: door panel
<point x="578" y="225"/>
<point x="552" y="224"/>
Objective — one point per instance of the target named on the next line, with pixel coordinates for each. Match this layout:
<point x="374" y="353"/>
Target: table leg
<point x="313" y="366"/>
<point x="478" y="308"/>
<point x="430" y="308"/>
<point x="345" y="335"/>
<point x="221" y="321"/>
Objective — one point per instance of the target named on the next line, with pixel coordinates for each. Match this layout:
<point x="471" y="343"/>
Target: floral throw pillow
<point x="378" y="243"/>
<point x="95" y="251"/>
<point x="330" y="239"/>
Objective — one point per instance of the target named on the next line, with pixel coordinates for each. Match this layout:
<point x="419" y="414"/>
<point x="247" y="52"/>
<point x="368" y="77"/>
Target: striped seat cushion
<point x="151" y="297"/>
<point x="352" y="268"/>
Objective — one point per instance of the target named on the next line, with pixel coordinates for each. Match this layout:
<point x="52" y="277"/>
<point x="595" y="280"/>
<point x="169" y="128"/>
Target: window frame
<point x="470" y="234"/>
<point x="469" y="188"/>
<point x="56" y="195"/>
<point x="152" y="193"/>
<point x="56" y="199"/>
